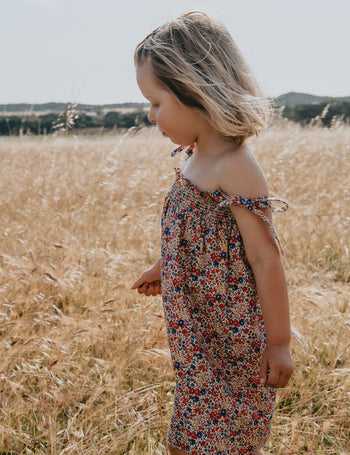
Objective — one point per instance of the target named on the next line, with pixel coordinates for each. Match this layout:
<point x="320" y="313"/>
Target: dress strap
<point x="188" y="149"/>
<point x="255" y="205"/>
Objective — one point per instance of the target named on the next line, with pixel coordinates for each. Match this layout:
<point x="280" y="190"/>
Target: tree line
<point x="323" y="114"/>
<point x="59" y="107"/>
<point x="70" y="119"/>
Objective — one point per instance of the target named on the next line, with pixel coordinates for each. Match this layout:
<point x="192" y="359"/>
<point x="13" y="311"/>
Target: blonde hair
<point x="196" y="59"/>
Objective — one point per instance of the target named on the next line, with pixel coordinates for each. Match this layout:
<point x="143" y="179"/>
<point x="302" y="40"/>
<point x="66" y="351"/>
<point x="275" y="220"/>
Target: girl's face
<point x="181" y="124"/>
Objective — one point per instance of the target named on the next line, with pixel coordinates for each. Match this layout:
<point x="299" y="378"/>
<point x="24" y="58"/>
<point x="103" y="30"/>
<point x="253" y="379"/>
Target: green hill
<point x="294" y="98"/>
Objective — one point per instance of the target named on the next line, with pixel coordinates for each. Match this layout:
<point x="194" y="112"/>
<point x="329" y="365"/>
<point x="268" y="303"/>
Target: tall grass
<point x="84" y="366"/>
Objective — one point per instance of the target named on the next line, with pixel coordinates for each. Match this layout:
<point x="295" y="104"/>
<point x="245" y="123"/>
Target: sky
<point x="82" y="50"/>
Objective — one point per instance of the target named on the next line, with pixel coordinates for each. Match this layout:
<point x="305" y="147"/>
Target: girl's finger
<point x="153" y="289"/>
<point x="282" y="382"/>
<point x="150" y="289"/>
<point x="158" y="288"/>
<point x="284" y="378"/>
<point x="263" y="371"/>
<point x="273" y="379"/>
<point x="142" y="289"/>
<point x="137" y="283"/>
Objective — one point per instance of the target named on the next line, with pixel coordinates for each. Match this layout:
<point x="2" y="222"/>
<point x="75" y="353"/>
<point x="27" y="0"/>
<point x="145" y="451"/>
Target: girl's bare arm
<point x="241" y="174"/>
<point x="263" y="255"/>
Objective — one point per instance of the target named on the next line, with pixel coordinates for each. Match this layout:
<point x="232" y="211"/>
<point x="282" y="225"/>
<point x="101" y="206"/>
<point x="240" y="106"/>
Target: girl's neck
<point x="211" y="145"/>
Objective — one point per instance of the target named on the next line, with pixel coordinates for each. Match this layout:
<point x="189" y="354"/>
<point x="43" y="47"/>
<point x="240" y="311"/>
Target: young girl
<point x="220" y="273"/>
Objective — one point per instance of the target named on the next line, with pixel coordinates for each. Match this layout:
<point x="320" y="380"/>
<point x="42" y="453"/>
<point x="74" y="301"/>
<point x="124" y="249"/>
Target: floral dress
<point x="214" y="323"/>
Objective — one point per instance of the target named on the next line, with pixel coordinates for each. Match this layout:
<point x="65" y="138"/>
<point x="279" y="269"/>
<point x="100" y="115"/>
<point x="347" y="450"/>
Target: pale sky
<point x="82" y="50"/>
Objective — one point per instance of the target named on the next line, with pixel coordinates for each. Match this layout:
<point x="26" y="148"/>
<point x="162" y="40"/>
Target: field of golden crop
<point x="84" y="362"/>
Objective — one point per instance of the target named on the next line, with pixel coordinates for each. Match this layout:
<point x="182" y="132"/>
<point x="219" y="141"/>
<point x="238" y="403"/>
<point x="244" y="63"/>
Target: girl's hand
<point x="276" y="366"/>
<point x="149" y="283"/>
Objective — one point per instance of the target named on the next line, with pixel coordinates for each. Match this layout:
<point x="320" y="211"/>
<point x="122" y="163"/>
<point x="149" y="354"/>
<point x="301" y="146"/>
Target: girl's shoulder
<point x="239" y="173"/>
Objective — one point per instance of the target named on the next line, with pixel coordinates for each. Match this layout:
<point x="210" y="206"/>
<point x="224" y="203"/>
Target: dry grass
<point x="84" y="365"/>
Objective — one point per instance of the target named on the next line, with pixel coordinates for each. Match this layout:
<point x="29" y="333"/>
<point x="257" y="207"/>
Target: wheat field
<point x="84" y="361"/>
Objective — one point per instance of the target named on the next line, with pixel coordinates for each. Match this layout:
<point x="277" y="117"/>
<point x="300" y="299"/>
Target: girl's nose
<point x="151" y="115"/>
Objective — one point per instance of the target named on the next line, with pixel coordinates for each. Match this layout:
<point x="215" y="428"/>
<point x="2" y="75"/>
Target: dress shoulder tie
<point x="255" y="205"/>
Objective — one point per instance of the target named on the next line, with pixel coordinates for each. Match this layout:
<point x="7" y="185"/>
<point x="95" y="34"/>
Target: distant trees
<point x="59" y="107"/>
<point x="324" y="113"/>
<point x="111" y="120"/>
<point x="49" y="123"/>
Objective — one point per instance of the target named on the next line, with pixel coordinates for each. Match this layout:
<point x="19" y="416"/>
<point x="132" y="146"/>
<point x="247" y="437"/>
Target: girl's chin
<point x="171" y="139"/>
